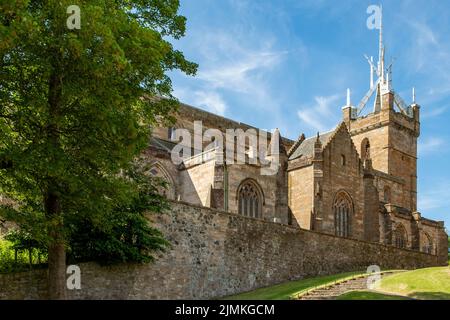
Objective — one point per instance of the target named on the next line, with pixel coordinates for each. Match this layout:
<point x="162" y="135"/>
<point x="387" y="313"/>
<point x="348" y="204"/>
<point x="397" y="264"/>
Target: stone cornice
<point x="387" y="176"/>
<point x="299" y="163"/>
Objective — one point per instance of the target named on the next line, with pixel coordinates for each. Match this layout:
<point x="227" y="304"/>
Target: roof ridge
<point x="305" y="148"/>
<point x="297" y="143"/>
<point x="321" y="134"/>
<point x="334" y="133"/>
<point x="237" y="122"/>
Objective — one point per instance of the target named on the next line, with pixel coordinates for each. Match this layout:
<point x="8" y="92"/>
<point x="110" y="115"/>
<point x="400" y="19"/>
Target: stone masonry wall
<point x="301" y="190"/>
<point x="216" y="254"/>
<point x="347" y="177"/>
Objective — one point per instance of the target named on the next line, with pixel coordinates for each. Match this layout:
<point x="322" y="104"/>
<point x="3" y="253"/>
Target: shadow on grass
<point x="431" y="295"/>
<point x="370" y="295"/>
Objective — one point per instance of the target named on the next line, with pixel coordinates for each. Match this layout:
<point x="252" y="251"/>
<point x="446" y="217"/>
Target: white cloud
<point x="425" y="35"/>
<point x="235" y="69"/>
<point x="434" y="198"/>
<point x="430" y="113"/>
<point x="429" y="54"/>
<point x="425" y="45"/>
<point x="243" y="75"/>
<point x="211" y="101"/>
<point x="231" y="63"/>
<point x="429" y="201"/>
<point x="430" y="145"/>
<point x="322" y="115"/>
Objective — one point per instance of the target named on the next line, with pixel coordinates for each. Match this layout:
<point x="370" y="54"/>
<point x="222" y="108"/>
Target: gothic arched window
<point x="250" y="199"/>
<point x="400" y="237"/>
<point x="365" y="149"/>
<point x="343" y="210"/>
<point x="426" y="243"/>
<point x="387" y="194"/>
<point x="166" y="184"/>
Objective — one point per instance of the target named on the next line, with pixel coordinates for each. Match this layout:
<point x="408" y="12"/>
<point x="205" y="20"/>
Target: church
<point x="357" y="181"/>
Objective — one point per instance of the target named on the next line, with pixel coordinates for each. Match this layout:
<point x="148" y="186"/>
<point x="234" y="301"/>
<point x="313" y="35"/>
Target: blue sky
<point x="287" y="64"/>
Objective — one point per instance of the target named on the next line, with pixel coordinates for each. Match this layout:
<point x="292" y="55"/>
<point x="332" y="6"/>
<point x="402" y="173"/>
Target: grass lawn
<point x="368" y="295"/>
<point x="285" y="290"/>
<point x="428" y="284"/>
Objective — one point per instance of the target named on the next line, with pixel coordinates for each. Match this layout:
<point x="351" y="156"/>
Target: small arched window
<point x="250" y="199"/>
<point x="400" y="237"/>
<point x="365" y="149"/>
<point x="343" y="163"/>
<point x="387" y="194"/>
<point x="343" y="210"/>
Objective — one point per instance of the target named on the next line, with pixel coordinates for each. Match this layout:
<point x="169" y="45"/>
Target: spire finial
<point x="349" y="103"/>
<point x="318" y="143"/>
<point x="381" y="47"/>
<point x="414" y="95"/>
<point x="371" y="72"/>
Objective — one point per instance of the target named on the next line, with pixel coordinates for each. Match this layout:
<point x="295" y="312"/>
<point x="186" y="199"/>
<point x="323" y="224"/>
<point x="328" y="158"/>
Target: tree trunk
<point x="57" y="271"/>
<point x="56" y="250"/>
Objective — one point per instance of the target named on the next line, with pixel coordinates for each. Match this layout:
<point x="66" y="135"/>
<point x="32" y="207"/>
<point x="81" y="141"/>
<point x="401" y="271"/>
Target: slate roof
<point x="162" y="144"/>
<point x="166" y="145"/>
<point x="306" y="148"/>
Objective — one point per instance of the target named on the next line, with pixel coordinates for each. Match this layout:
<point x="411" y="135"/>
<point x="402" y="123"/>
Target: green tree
<point x="77" y="106"/>
<point x="127" y="237"/>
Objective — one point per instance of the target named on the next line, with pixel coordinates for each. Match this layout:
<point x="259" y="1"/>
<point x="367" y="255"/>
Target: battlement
<point x="408" y="120"/>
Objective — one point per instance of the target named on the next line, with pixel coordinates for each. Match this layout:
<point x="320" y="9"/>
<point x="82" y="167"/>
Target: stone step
<point x="332" y="291"/>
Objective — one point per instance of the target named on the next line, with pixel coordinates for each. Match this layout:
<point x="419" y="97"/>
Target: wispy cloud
<point x="321" y="115"/>
<point x="430" y="113"/>
<point x="430" y="145"/>
<point x="429" y="55"/>
<point x="242" y="75"/>
<point x="435" y="197"/>
<point x="235" y="69"/>
<point x="279" y="65"/>
<point x="209" y="100"/>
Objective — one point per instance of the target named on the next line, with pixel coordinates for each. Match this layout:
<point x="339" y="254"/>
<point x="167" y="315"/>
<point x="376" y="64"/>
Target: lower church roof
<point x="306" y="148"/>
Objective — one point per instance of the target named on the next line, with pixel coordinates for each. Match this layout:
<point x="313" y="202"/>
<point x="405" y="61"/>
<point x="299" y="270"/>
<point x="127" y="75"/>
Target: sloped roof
<point x="306" y="148"/>
<point x="166" y="145"/>
<point x="212" y="120"/>
<point x="162" y="144"/>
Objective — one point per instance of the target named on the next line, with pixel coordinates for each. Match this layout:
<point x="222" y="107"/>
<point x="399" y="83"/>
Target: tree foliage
<point x="127" y="237"/>
<point x="76" y="107"/>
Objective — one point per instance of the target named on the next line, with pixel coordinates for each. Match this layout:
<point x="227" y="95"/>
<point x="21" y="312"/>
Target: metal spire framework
<point x="383" y="84"/>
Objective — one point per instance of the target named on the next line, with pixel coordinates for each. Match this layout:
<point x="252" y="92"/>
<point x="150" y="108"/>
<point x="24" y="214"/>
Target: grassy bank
<point x="428" y="284"/>
<point x="285" y="290"/>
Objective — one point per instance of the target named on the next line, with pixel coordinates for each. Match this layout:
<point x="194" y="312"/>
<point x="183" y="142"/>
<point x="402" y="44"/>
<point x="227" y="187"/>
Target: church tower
<point x="387" y="135"/>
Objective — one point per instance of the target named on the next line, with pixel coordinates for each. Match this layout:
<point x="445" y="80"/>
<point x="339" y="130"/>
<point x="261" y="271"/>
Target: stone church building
<point x="336" y="202"/>
<point x="357" y="181"/>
